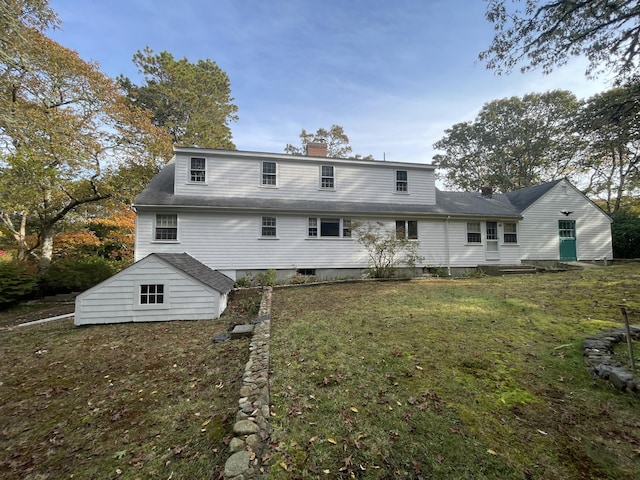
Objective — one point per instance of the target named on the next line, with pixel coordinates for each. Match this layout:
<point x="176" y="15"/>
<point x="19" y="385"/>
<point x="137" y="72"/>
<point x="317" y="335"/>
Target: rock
<point x="236" y="444"/>
<point x="245" y="427"/>
<point x="619" y="378"/>
<point x="237" y="464"/>
<point x="253" y="440"/>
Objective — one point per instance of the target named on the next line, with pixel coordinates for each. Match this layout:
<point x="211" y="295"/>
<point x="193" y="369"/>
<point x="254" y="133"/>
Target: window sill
<point x="165" y="241"/>
<point x="474" y="244"/>
<point x="510" y="244"/>
<point x="401" y="193"/>
<point x="333" y="239"/>
<point x="269" y="186"/>
<point x="268" y="238"/>
<point x="197" y="183"/>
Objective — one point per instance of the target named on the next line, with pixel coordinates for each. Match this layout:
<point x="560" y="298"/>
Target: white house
<point x="160" y="287"/>
<point x="242" y="212"/>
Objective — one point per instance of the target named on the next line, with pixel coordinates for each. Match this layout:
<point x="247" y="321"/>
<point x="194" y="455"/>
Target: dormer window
<point x="327" y="177"/>
<point x="402" y="181"/>
<point x="198" y="170"/>
<point x="269" y="174"/>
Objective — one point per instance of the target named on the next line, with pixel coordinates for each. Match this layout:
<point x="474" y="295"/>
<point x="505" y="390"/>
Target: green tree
<point x="546" y="34"/>
<point x="610" y="121"/>
<point x="337" y="143"/>
<point x="62" y="123"/>
<point x="513" y="143"/>
<point x="192" y="101"/>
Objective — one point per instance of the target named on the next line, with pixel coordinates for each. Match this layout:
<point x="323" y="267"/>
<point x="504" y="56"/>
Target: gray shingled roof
<point x="525" y="197"/>
<point x="160" y="193"/>
<point x="198" y="270"/>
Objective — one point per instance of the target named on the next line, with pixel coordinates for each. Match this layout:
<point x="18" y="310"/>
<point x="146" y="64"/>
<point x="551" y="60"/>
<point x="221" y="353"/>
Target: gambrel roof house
<point x="242" y="212"/>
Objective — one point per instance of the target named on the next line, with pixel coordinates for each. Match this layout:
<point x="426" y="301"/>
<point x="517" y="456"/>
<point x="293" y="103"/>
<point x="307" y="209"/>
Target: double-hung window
<point x="407" y="229"/>
<point x="327" y="177"/>
<point x="510" y="233"/>
<point x="329" y="227"/>
<point x="166" y="227"/>
<point x="269" y="174"/>
<point x="402" y="181"/>
<point x="269" y="227"/>
<point x="198" y="170"/>
<point x="474" y="234"/>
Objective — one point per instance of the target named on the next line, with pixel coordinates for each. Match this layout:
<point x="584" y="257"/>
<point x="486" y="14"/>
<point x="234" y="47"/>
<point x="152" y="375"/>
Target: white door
<point x="492" y="246"/>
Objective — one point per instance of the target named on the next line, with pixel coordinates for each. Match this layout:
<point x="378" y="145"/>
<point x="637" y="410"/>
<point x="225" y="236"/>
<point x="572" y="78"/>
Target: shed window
<point x="269" y="174"/>
<point x="151" y="294"/>
<point x="474" y="234"/>
<point x="198" y="170"/>
<point x="510" y="233"/>
<point x="402" y="181"/>
<point x="166" y="227"/>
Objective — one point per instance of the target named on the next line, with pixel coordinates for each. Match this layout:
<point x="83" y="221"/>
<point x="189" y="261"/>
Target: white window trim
<point x="395" y="183"/>
<point x="277" y="175"/>
<point x="151" y="306"/>
<point x="333" y="238"/>
<point x="466" y="233"/>
<point x="206" y="172"/>
<point x="268" y="237"/>
<point x="517" y="233"/>
<point x="406" y="229"/>
<point x="155" y="225"/>
<point x="335" y="181"/>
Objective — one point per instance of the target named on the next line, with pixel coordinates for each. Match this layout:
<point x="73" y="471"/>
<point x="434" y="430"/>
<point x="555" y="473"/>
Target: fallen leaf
<point x="206" y="422"/>
<point x="331" y="440"/>
<point x="542" y="432"/>
<point x="284" y="466"/>
<point x="354" y="409"/>
<point x="491" y="452"/>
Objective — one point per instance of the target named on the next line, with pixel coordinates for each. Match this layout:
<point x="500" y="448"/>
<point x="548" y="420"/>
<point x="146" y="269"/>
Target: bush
<point x="266" y="278"/>
<point x="78" y="274"/>
<point x="626" y="235"/>
<point x="17" y="280"/>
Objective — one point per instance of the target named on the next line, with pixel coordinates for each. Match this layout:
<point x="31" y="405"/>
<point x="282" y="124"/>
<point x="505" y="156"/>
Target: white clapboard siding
<point x="116" y="299"/>
<point x="539" y="229"/>
<point x="464" y="254"/>
<point x="299" y="177"/>
<point x="229" y="242"/>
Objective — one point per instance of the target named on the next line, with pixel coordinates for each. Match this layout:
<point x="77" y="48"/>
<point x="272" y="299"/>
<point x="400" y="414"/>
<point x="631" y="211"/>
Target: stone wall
<point x="598" y="353"/>
<point x="252" y="429"/>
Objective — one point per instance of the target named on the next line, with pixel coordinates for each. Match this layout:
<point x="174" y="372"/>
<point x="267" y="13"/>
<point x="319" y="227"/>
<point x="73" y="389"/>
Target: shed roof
<point x="189" y="265"/>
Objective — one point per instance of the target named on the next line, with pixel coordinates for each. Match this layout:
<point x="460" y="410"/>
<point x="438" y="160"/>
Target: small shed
<point x="159" y="288"/>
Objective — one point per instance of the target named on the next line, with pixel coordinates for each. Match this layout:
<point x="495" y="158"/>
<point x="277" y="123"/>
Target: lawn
<point x="437" y="378"/>
<point x="128" y="401"/>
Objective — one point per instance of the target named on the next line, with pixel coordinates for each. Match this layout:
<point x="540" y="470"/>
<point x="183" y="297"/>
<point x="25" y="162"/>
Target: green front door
<point x="567" y="232"/>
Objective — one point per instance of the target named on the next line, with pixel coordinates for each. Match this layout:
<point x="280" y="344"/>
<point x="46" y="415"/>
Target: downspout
<point x="446" y="242"/>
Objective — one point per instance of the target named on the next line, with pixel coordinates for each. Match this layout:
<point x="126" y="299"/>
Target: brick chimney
<point x="316" y="149"/>
<point x="487" y="191"/>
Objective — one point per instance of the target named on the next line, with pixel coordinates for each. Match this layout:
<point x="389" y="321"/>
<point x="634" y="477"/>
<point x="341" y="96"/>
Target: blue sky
<point x="395" y="74"/>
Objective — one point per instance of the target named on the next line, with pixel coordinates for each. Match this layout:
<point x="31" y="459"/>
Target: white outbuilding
<point x="160" y="287"/>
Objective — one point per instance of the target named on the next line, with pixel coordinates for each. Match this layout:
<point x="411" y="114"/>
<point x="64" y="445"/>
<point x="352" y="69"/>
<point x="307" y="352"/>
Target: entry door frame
<point x="567" y="241"/>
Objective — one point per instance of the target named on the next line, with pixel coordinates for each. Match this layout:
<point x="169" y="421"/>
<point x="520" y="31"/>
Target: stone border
<point x="252" y="429"/>
<point x="598" y="353"/>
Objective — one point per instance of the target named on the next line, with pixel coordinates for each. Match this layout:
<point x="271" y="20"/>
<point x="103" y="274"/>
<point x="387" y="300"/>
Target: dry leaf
<point x="284" y="466"/>
<point x="491" y="452"/>
<point x="331" y="440"/>
<point x="354" y="409"/>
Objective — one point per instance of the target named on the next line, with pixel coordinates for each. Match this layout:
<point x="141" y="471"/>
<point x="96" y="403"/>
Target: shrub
<point x="626" y="235"/>
<point x="78" y="274"/>
<point x="17" y="280"/>
<point x="266" y="278"/>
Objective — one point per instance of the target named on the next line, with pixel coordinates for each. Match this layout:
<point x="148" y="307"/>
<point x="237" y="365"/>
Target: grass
<point x="476" y="378"/>
<point x="154" y="400"/>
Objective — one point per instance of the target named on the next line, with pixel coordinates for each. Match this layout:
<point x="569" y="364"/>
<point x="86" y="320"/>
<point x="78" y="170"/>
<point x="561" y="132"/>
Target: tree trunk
<point x="47" y="249"/>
